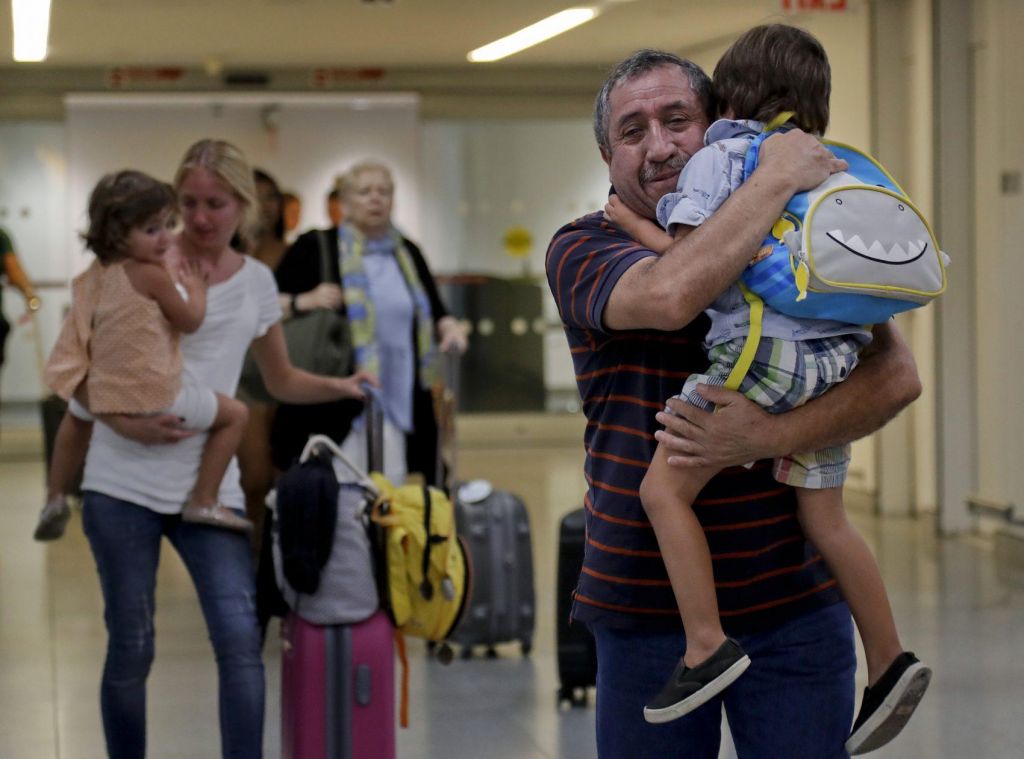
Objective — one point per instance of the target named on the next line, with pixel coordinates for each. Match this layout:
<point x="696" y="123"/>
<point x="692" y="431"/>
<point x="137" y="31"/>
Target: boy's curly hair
<point x="119" y="202"/>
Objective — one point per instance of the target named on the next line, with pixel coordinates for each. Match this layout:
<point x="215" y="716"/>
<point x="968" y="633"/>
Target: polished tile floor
<point x="958" y="608"/>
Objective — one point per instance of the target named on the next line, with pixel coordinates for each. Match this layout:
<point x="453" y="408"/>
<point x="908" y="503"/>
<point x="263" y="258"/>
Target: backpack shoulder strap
<point x="742" y="366"/>
<point x="754" y="151"/>
<point x="739" y="371"/>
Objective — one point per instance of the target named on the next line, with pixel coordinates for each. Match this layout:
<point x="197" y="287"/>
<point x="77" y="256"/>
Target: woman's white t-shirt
<point x="161" y="477"/>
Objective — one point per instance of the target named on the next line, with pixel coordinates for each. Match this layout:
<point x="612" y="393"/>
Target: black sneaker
<point x="688" y="688"/>
<point x="887" y="707"/>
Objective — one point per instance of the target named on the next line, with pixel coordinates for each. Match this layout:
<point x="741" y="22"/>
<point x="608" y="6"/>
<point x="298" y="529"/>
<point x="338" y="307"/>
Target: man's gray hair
<point x="639" y="63"/>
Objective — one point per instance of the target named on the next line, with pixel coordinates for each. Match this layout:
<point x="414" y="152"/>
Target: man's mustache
<point x="650" y="171"/>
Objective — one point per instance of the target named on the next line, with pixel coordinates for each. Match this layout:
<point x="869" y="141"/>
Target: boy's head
<point x="775" y="68"/>
<point x="120" y="202"/>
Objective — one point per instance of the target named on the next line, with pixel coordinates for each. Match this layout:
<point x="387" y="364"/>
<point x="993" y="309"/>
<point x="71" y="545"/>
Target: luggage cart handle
<point x="449" y="407"/>
<point x="374" y="428"/>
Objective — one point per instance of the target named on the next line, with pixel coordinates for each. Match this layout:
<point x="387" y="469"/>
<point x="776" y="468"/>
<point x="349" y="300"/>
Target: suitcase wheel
<point x="445" y="654"/>
<point x="576" y="697"/>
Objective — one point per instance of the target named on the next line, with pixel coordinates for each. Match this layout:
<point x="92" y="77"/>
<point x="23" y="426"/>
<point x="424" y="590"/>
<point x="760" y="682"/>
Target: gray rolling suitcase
<point x="501" y="605"/>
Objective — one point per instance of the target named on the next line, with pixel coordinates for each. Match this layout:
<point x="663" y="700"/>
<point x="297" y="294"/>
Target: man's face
<point x="656" y="123"/>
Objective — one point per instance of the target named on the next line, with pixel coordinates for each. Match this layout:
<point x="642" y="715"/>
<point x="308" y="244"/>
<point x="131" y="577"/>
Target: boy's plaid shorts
<point x="786" y="374"/>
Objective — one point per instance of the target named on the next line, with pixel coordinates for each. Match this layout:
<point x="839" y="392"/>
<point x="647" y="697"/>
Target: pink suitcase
<point x="338" y="690"/>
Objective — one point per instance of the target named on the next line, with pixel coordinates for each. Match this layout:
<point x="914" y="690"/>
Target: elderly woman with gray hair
<point x="399" y="324"/>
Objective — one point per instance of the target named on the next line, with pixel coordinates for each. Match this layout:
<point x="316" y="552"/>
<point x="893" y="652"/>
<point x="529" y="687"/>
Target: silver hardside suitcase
<point x="496" y="529"/>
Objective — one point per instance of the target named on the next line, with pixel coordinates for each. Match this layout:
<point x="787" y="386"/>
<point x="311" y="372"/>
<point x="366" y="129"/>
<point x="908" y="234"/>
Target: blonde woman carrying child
<point x="118" y="351"/>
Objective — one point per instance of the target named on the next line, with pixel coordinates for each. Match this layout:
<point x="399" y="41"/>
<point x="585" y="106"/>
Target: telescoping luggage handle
<point x="374" y="429"/>
<point x="448" y="409"/>
<point x="374" y="439"/>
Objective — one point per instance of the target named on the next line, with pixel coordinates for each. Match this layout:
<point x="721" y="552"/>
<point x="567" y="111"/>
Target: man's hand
<point x="739" y="432"/>
<point x="800" y="158"/>
<point x="161" y="429"/>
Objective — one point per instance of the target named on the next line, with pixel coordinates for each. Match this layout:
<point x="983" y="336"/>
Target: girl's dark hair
<point x="260" y="176"/>
<point x="775" y="68"/>
<point x="118" y="203"/>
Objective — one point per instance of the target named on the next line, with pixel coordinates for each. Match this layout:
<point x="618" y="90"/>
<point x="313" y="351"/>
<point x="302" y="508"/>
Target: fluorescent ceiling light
<point x="533" y="34"/>
<point x="31" y="28"/>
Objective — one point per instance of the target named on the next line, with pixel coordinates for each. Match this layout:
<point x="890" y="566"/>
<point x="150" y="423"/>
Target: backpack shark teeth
<point x="897" y="252"/>
<point x="877" y="250"/>
<point x="856" y="244"/>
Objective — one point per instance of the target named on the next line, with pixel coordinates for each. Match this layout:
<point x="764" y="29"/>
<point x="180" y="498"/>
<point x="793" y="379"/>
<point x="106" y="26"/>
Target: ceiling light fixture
<point x="31" y="28"/>
<point x="531" y="35"/>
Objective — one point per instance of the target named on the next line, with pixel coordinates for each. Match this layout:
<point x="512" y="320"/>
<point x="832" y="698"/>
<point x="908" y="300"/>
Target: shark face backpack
<point x="854" y="249"/>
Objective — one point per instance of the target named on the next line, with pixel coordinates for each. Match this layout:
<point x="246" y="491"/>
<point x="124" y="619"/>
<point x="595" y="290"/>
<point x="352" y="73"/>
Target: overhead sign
<point x="326" y="77"/>
<point x="144" y="76"/>
<point x="833" y="6"/>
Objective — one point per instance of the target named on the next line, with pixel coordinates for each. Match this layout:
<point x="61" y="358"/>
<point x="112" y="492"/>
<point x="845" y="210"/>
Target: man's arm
<point x="669" y="291"/>
<point x="882" y="385"/>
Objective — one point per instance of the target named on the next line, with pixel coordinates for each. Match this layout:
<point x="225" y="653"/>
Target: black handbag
<point x="319" y="341"/>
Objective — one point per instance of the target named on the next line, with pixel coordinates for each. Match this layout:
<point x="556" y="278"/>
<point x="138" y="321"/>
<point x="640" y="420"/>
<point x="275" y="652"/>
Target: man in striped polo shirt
<point x="635" y="324"/>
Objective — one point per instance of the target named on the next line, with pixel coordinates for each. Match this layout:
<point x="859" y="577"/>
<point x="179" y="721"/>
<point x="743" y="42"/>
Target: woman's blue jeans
<point x="795" y="701"/>
<point x="125" y="540"/>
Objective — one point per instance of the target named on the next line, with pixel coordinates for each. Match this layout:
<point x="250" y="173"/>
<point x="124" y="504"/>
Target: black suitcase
<point x="577" y="653"/>
<point x="501" y="605"/>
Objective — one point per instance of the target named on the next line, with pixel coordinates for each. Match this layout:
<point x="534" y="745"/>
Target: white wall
<point x="919" y="183"/>
<point x="999" y="230"/>
<point x="902" y="123"/>
<point x="33" y="180"/>
<point x="482" y="177"/>
<point x="312" y="138"/>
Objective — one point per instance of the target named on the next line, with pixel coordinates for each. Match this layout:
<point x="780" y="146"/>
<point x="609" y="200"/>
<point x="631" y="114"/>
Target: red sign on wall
<point x="143" y="76"/>
<point x="793" y="6"/>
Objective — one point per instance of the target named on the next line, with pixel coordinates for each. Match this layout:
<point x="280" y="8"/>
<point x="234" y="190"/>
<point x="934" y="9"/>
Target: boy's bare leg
<point x="711" y="661"/>
<point x="668" y="495"/>
<point x="825" y="524"/>
<point x="897" y="680"/>
<point x="221" y="444"/>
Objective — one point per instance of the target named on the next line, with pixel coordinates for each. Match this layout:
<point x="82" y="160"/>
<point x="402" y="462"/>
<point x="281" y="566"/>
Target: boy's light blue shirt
<point x="707" y="180"/>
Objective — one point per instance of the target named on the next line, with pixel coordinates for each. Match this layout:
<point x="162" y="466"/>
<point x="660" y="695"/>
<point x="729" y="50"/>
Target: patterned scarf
<point x="359" y="306"/>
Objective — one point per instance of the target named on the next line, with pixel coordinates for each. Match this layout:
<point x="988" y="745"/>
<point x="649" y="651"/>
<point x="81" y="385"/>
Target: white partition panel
<point x="302" y="140"/>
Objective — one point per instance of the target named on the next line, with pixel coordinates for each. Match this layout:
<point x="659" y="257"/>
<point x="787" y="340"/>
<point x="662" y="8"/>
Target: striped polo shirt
<point x="765" y="571"/>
